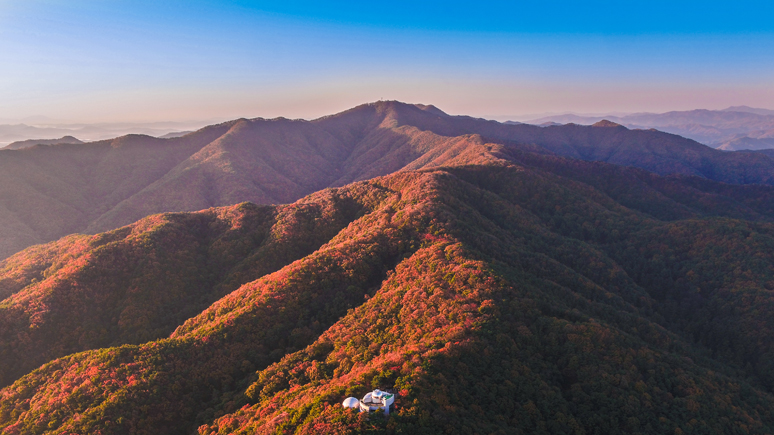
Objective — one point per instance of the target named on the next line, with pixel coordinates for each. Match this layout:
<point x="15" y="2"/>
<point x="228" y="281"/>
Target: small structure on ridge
<point x="373" y="401"/>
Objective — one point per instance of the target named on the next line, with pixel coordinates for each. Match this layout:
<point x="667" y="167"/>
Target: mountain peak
<point x="432" y="109"/>
<point x="398" y="105"/>
<point x="606" y="123"/>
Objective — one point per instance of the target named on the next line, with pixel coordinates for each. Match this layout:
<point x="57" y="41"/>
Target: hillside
<point x="769" y="152"/>
<point x="161" y="271"/>
<point x="551" y="295"/>
<point x="46" y="193"/>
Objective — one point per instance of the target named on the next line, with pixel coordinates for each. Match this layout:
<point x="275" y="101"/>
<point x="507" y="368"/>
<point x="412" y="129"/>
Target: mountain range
<point x="51" y="191"/>
<point x="497" y="278"/>
<point x="731" y="129"/>
<point x="32" y="142"/>
<point x="40" y="129"/>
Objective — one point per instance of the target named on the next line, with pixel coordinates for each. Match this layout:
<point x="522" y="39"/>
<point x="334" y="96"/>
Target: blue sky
<point x="150" y="60"/>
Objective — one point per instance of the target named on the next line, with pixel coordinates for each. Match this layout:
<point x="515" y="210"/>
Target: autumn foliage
<point x="525" y="294"/>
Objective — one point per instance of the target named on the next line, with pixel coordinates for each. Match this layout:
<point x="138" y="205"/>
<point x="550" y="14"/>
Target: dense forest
<point x="519" y="292"/>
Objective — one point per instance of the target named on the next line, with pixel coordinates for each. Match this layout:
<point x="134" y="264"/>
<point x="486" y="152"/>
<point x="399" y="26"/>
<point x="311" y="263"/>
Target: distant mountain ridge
<point x="42" y="128"/>
<point x="749" y="109"/>
<point x="32" y="142"/>
<point x="747" y="143"/>
<point x="48" y="192"/>
<point x="174" y="134"/>
<point x="715" y="128"/>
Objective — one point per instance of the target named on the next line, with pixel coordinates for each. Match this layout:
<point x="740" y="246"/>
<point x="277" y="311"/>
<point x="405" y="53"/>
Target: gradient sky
<point x="141" y="60"/>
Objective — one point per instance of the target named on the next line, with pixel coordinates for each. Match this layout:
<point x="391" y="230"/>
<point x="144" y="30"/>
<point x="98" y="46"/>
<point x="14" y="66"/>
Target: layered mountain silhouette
<point x="716" y="128"/>
<point x="522" y="293"/>
<point x="39" y="129"/>
<point x="48" y="192"/>
<point x="748" y="143"/>
<point x="32" y="142"/>
<point x="749" y="109"/>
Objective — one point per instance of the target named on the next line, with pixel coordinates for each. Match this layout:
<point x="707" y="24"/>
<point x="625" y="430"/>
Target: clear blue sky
<point x="173" y="60"/>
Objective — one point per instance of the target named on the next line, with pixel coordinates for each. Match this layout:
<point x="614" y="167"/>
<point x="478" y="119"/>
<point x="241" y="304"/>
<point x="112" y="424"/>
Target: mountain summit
<point x="606" y="123"/>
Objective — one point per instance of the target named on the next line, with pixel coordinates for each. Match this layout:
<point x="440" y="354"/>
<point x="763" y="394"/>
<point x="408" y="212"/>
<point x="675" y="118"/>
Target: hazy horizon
<point x="140" y="61"/>
<point x="44" y="121"/>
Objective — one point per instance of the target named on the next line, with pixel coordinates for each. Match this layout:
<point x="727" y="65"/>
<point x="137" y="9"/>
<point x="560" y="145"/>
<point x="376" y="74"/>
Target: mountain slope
<point x="40" y="289"/>
<point x="494" y="297"/>
<point x="48" y="192"/>
<point x="276" y="161"/>
<point x="54" y="191"/>
<point x="769" y="153"/>
<point x="654" y="151"/>
<point x="163" y="270"/>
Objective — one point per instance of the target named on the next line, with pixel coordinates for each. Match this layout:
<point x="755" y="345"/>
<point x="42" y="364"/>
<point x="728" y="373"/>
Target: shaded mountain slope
<point x="665" y="198"/>
<point x="276" y="161"/>
<point x="261" y="161"/>
<point x="490" y="298"/>
<point x="654" y="151"/>
<point x="769" y="153"/>
<point x="103" y="185"/>
<point x="47" y="192"/>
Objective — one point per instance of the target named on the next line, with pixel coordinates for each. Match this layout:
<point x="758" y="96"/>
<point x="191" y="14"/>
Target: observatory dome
<point x="351" y="402"/>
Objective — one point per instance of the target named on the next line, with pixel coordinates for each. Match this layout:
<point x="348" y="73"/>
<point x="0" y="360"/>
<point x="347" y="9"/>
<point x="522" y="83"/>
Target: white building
<point x="372" y="401"/>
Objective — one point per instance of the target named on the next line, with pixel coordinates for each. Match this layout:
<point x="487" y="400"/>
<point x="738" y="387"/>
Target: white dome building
<point x="377" y="400"/>
<point x="351" y="402"/>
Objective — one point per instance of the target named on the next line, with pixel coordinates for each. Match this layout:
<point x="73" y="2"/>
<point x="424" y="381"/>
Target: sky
<point x="143" y="61"/>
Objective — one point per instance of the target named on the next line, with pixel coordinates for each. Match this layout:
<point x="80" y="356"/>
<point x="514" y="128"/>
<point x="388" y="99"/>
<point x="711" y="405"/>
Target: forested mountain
<point x="767" y="152"/>
<point x="49" y="192"/>
<point x="140" y="282"/>
<point x="523" y="293"/>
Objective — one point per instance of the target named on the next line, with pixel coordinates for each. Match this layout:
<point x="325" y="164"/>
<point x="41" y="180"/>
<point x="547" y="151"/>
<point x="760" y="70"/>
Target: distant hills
<point x="32" y="142"/>
<point x="174" y="134"/>
<point x="729" y="129"/>
<point x="47" y="129"/>
<point x="748" y="109"/>
<point x="48" y="192"/>
<point x="748" y="143"/>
